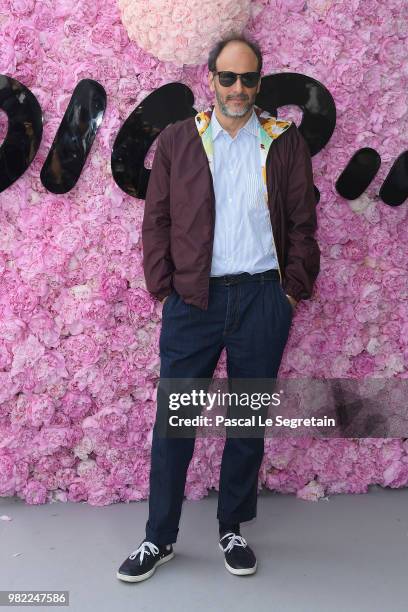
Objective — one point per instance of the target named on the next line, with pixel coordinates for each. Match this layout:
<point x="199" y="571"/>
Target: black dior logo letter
<point x="169" y="103"/>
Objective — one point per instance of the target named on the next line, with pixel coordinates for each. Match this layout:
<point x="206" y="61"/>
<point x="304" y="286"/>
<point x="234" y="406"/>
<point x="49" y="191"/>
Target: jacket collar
<point x="270" y="128"/>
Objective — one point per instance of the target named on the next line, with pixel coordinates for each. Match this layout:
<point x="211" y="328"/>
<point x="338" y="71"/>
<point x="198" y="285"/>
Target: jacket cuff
<point x="296" y="291"/>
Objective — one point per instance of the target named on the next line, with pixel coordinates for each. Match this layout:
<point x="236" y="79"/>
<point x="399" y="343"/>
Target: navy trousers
<point x="251" y="318"/>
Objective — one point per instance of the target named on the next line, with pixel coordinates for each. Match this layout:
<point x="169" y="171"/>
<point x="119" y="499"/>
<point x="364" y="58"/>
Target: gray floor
<point x="347" y="553"/>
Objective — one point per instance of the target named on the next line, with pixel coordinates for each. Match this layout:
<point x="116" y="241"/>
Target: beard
<point x="226" y="102"/>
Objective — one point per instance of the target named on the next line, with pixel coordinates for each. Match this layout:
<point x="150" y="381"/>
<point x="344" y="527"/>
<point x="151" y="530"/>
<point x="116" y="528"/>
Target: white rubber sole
<point x="147" y="575"/>
<point x="239" y="572"/>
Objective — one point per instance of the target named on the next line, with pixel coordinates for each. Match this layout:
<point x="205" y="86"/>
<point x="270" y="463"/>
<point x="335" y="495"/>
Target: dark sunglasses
<point x="248" y="79"/>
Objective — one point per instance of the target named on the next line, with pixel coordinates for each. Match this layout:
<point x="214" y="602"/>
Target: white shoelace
<point x="144" y="548"/>
<point x="236" y="540"/>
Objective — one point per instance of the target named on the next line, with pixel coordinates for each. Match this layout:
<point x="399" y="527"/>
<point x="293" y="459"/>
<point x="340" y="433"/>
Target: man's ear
<point x="210" y="80"/>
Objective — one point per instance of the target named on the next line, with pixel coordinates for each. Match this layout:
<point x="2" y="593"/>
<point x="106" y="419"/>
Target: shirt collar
<point x="251" y="126"/>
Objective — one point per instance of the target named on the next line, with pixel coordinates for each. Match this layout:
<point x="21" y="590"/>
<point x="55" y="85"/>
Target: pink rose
<point x="111" y="420"/>
<point x="139" y="301"/>
<point x="22" y="301"/>
<point x="44" y="327"/>
<point x="35" y="492"/>
<point x="40" y="410"/>
<point x="101" y="496"/>
<point x="76" y="405"/>
<point x="121" y="337"/>
<point x="363" y="365"/>
<point x="107" y="35"/>
<point x="80" y="350"/>
<point x="26" y="44"/>
<point x="21" y="8"/>
<point x="112" y="286"/>
<point x="26" y="354"/>
<point x="26" y="74"/>
<point x="44" y="20"/>
<point x="115" y="238"/>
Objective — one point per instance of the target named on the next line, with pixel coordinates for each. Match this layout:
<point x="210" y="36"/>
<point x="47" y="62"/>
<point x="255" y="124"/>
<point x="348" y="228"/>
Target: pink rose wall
<point x="79" y="356"/>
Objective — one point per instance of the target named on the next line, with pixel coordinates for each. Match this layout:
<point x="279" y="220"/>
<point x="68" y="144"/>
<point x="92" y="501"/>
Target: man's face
<point x="236" y="100"/>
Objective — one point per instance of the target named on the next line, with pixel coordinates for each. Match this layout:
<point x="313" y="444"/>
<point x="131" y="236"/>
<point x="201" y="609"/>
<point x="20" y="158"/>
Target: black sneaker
<point x="142" y="562"/>
<point x="239" y="557"/>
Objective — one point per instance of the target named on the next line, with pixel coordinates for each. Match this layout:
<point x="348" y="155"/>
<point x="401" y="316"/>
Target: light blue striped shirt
<point x="243" y="240"/>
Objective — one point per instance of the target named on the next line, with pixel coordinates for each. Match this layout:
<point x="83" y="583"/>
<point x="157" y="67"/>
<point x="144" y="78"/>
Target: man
<point x="229" y="248"/>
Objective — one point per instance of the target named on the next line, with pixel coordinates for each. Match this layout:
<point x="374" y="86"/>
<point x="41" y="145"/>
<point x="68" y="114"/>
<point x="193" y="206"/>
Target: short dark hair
<point x="219" y="46"/>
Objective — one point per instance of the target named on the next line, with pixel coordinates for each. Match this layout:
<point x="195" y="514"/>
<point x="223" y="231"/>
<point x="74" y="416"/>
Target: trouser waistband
<point x="232" y="279"/>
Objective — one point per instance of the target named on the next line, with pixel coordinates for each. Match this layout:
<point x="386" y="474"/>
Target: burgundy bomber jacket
<point x="179" y="215"/>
